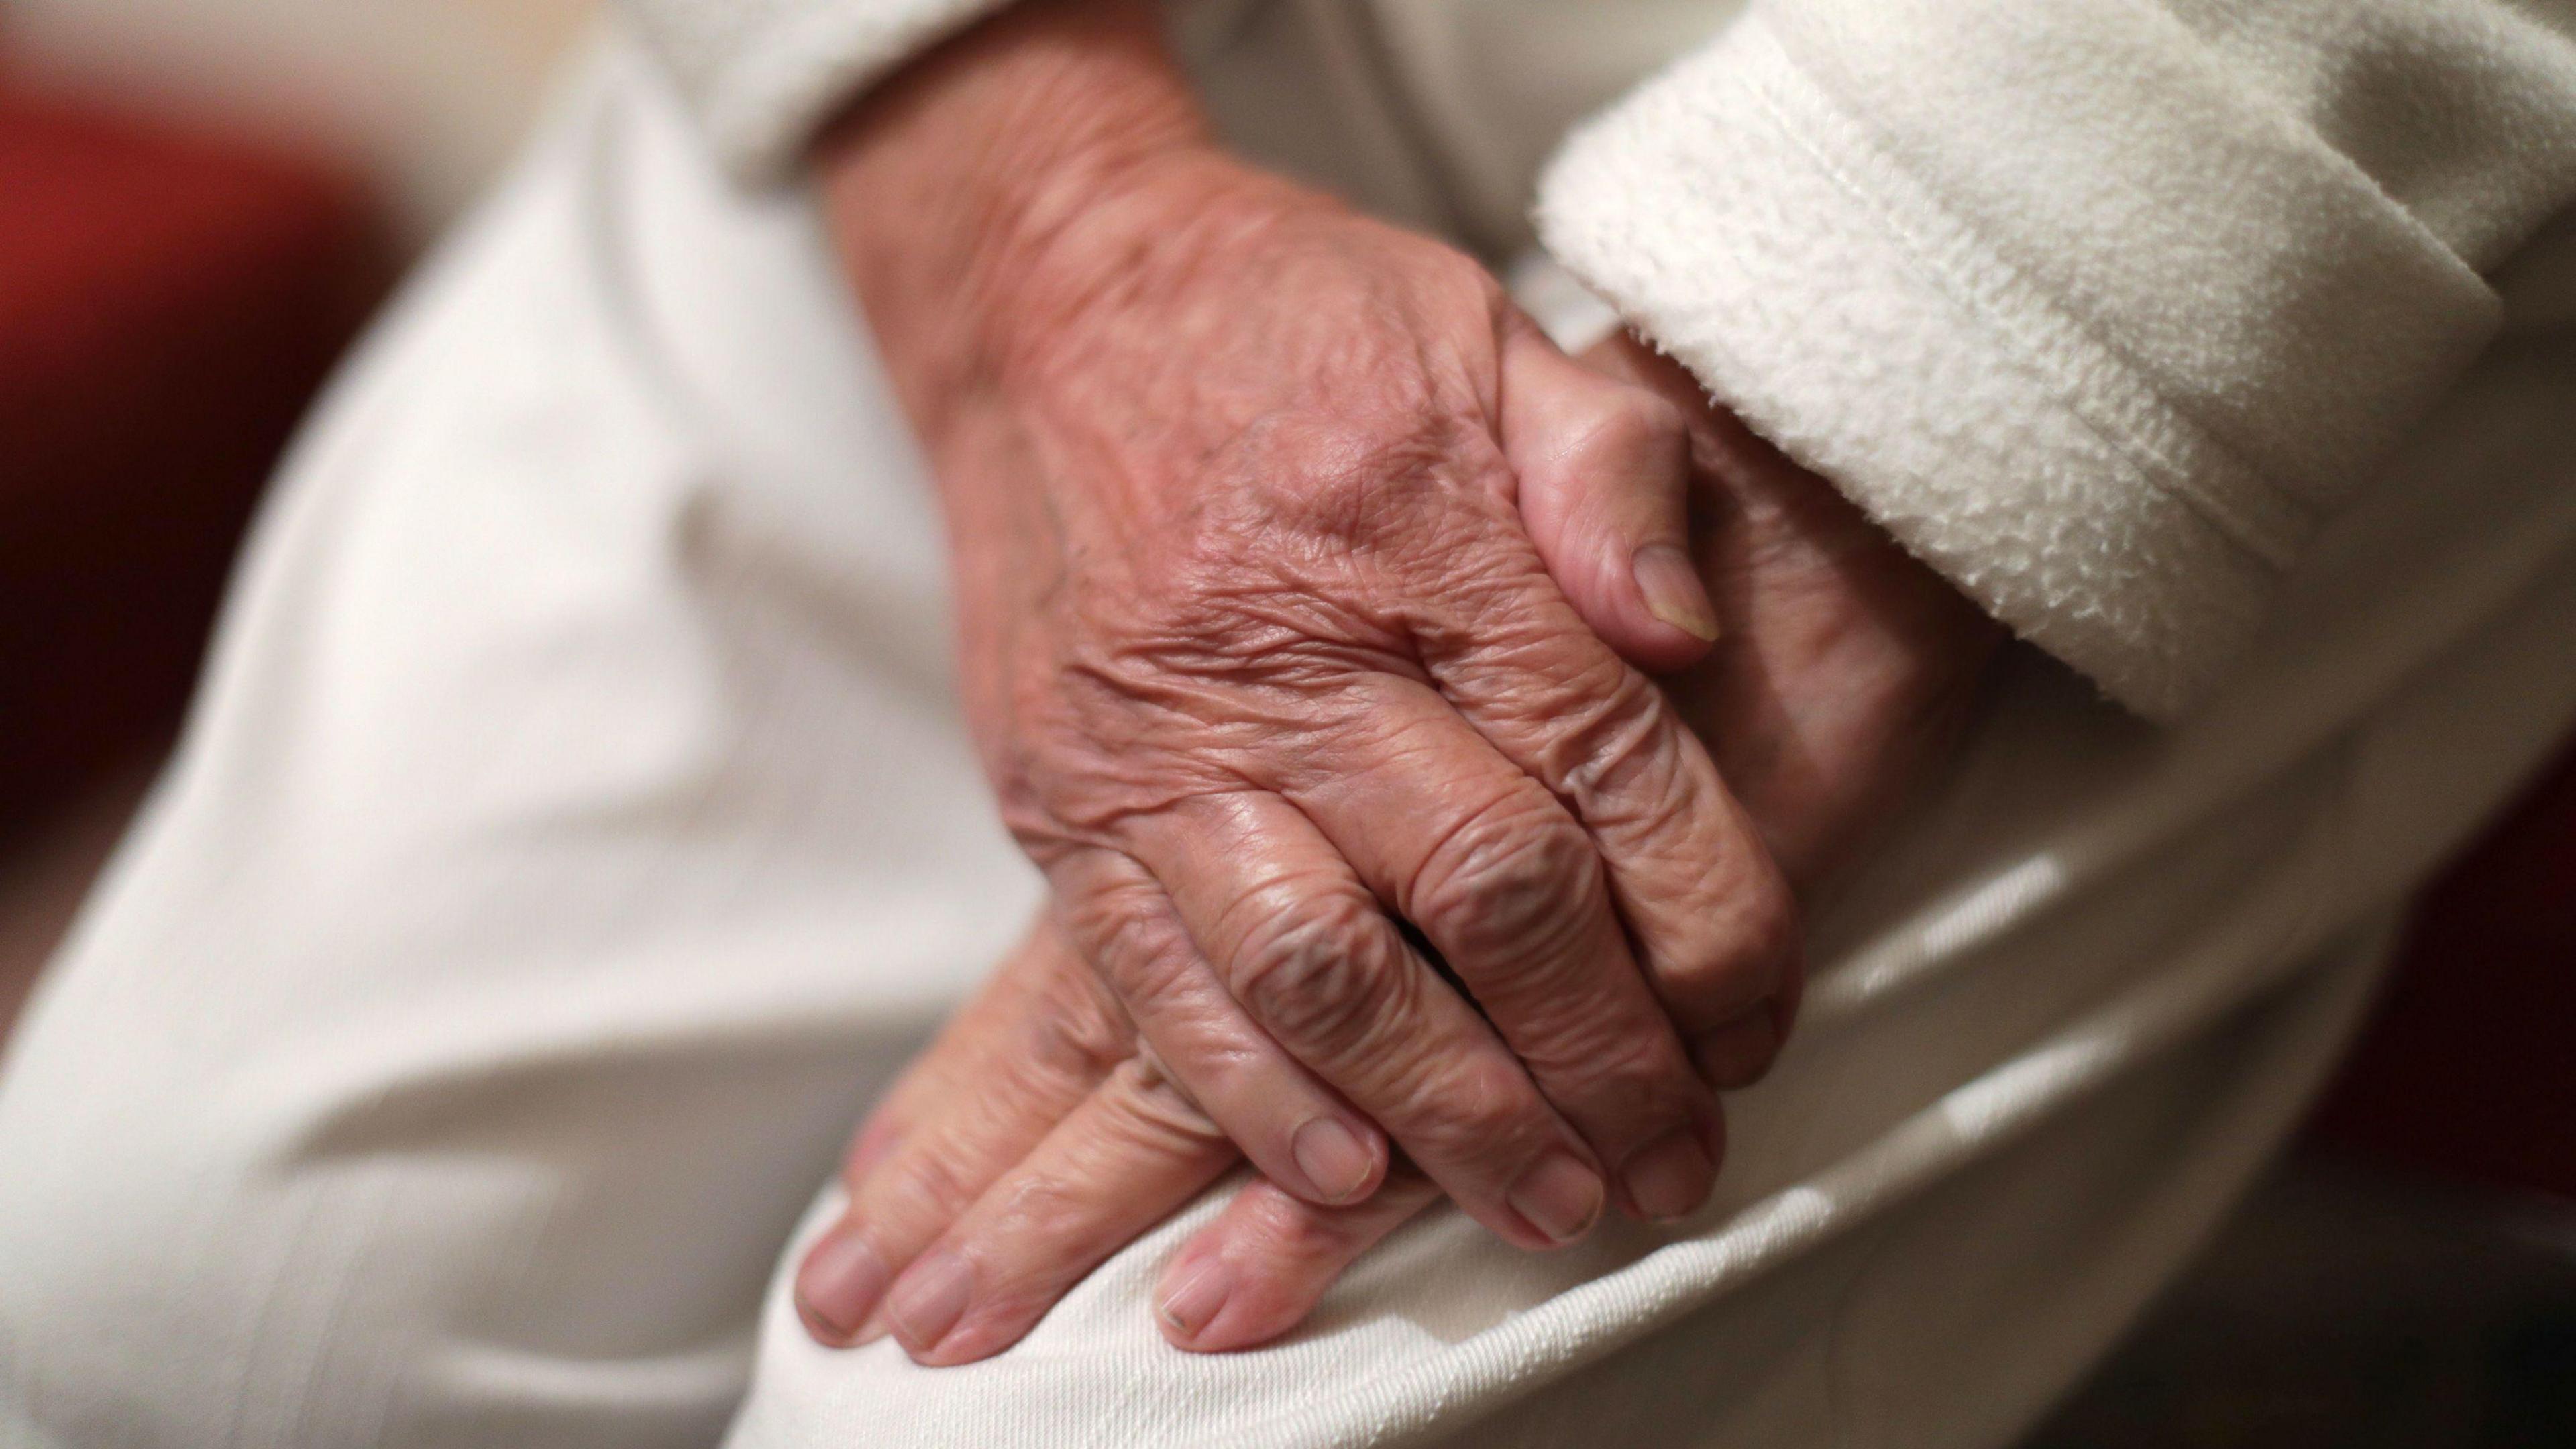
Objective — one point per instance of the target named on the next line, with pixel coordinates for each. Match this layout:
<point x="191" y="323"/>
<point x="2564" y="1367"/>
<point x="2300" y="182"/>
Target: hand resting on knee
<point x="1263" y="655"/>
<point x="1037" y="1136"/>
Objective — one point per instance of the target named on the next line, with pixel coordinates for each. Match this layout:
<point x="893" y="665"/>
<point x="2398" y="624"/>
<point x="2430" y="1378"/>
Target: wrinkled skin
<point x="1036" y="1136"/>
<point x="1305" y="590"/>
<point x="1259" y="646"/>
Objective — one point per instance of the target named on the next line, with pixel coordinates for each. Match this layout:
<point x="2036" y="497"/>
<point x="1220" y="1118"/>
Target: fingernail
<point x="1332" y="1158"/>
<point x="1193" y="1301"/>
<point x="1669" y="1177"/>
<point x="1673" y="591"/>
<point x="929" y="1298"/>
<point x="841" y="1280"/>
<point x="1560" y="1197"/>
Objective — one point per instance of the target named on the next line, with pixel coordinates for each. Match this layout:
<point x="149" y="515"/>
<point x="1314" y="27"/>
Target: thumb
<point x="1604" y="474"/>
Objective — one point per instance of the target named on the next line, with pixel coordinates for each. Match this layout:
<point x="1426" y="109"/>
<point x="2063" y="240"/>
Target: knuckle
<point x="1039" y="1207"/>
<point x="1642" y="1081"/>
<point x="929" y="1181"/>
<point x="1369" y="481"/>
<point x="1114" y="925"/>
<point x="1481" y="1108"/>
<point x="1515" y="886"/>
<point x="1354" y="480"/>
<point x="1751" y="954"/>
<point x="1287" y="1233"/>
<point x="1626" y="1074"/>
<point x="1136" y="943"/>
<point x="1631" y="430"/>
<point x="1155" y="1103"/>
<point x="1615" y="758"/>
<point x="1323" y="972"/>
<point x="1766" y="935"/>
<point x="1075" y="1034"/>
<point x="1082" y="1045"/>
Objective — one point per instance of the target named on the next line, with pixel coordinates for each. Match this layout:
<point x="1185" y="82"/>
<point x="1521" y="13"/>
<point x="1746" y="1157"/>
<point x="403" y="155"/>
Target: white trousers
<point x="576" y="830"/>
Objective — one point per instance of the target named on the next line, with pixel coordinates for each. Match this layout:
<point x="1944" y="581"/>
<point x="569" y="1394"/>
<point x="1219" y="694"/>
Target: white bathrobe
<point x="575" y="828"/>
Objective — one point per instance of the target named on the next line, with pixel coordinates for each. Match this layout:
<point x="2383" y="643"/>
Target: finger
<point x="1604" y="476"/>
<point x="1123" y="1160"/>
<point x="1713" y="920"/>
<point x="1741" y="1053"/>
<point x="1297" y="1130"/>
<point x="1030" y="1047"/>
<point x="1262" y="1265"/>
<point x="1509" y="888"/>
<point x="1311" y="953"/>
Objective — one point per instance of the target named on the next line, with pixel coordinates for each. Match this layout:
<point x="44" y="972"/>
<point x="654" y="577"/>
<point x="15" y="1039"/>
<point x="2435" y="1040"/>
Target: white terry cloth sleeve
<point x="763" y="75"/>
<point x="2101" y="306"/>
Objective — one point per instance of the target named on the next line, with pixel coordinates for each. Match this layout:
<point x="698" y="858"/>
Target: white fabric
<point x="764" y="75"/>
<point x="2136" y="292"/>
<point x="575" y="830"/>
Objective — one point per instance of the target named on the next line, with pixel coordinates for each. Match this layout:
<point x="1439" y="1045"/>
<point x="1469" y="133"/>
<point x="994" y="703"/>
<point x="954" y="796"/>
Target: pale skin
<point x="1303" y="586"/>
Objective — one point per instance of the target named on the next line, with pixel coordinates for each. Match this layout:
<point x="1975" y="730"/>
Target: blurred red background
<point x="168" y="303"/>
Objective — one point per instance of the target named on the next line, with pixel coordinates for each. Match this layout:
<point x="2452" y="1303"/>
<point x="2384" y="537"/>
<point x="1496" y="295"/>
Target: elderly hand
<point x="1261" y="657"/>
<point x="1034" y="1139"/>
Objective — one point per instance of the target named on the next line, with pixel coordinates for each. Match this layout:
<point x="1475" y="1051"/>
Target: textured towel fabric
<point x="576" y="829"/>
<point x="2102" y="306"/>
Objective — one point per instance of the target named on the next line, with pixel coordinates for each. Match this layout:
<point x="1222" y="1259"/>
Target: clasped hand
<point x="1305" y="593"/>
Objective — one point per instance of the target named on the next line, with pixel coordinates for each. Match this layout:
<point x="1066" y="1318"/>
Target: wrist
<point x="965" y="197"/>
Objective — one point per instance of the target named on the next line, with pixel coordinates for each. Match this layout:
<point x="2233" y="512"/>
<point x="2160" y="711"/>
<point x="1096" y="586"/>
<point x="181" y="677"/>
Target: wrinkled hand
<point x="1846" y="667"/>
<point x="1035" y="1138"/>
<point x="1258" y="649"/>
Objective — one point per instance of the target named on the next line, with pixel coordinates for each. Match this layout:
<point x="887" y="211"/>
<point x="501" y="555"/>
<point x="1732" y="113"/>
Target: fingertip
<point x="1208" y="1304"/>
<point x="1192" y="1296"/>
<point x="962" y="1348"/>
<point x="1740" y="1053"/>
<point x="1250" y="1275"/>
<point x="1653" y="615"/>
<point x="1341" y="1166"/>
<point x="1560" y="1196"/>
<point x="1649" y="643"/>
<point x="1604" y="470"/>
<point x="839" y="1284"/>
<point x="1239" y="1326"/>
<point x="1646" y="601"/>
<point x="820" y="1329"/>
<point x="1256" y="1272"/>
<point x="1669" y="1178"/>
<point x="1669" y="586"/>
<point x="927" y="1302"/>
